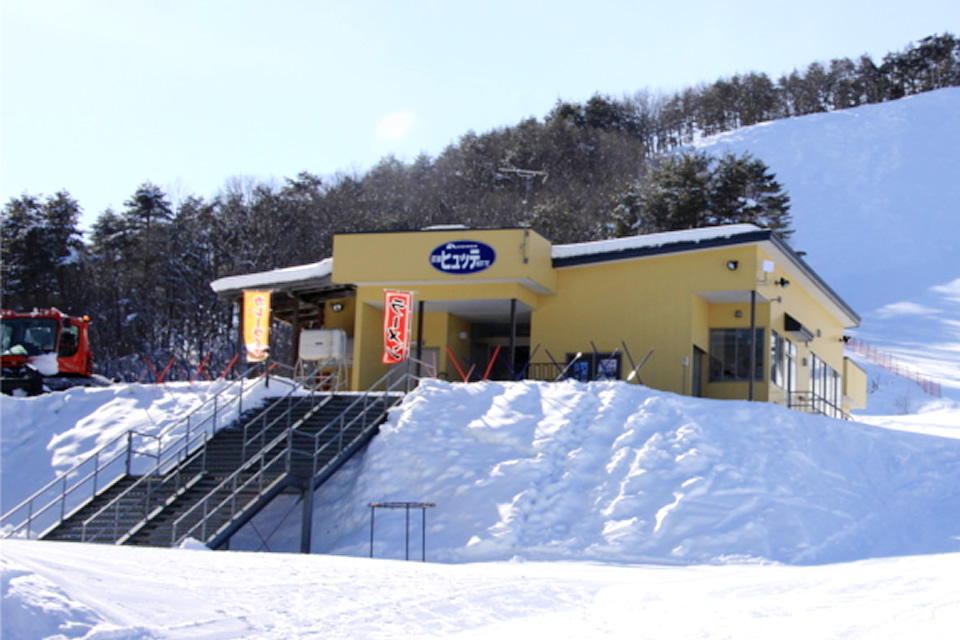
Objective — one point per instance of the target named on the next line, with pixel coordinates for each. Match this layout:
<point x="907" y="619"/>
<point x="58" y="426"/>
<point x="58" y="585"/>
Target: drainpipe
<point x="512" y="358"/>
<point x="753" y="343"/>
<point x="420" y="306"/>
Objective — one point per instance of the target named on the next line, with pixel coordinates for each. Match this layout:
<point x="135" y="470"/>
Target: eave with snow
<point x="299" y="292"/>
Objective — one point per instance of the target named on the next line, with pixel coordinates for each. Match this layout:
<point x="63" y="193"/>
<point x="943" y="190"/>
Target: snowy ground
<point x="568" y="510"/>
<point x="56" y="590"/>
<point x="591" y="511"/>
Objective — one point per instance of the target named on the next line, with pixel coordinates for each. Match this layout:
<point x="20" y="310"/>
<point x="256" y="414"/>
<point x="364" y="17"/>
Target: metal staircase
<point x="220" y="478"/>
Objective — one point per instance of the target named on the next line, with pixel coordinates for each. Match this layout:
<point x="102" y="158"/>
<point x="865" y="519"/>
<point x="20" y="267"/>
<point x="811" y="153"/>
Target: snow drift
<point x="614" y="472"/>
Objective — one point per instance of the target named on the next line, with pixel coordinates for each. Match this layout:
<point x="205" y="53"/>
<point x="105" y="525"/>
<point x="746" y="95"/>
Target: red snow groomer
<point x="44" y="350"/>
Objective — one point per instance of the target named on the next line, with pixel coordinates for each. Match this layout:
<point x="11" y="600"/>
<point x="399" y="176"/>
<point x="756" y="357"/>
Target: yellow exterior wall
<point x="647" y="303"/>
<point x="798" y="301"/>
<point x="666" y="303"/>
<point x="460" y="347"/>
<point x="343" y="319"/>
<point x="367" y="347"/>
<point x="392" y="258"/>
<point x="854" y="386"/>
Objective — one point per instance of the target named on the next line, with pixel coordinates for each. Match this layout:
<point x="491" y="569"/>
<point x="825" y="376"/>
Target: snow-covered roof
<point x="276" y="277"/>
<point x="569" y="255"/>
<point x="652" y="241"/>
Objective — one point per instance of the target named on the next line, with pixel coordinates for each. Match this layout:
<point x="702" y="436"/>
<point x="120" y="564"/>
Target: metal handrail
<point x="268" y="456"/>
<point x="63" y="490"/>
<point x="153" y="483"/>
<point x="809" y="402"/>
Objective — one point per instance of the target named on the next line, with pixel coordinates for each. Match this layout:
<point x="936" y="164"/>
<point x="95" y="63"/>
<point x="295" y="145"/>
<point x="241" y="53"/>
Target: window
<point x="29" y="336"/>
<point x="825" y="387"/>
<point x="730" y="355"/>
<point x="69" y="340"/>
<point x="783" y="362"/>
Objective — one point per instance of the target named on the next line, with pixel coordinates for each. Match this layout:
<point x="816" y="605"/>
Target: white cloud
<point x="395" y="126"/>
<point x="905" y="309"/>
<point x="950" y="290"/>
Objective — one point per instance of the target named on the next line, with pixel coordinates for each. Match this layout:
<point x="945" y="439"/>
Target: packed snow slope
<point x="621" y="473"/>
<point x="605" y="471"/>
<point x="874" y="193"/>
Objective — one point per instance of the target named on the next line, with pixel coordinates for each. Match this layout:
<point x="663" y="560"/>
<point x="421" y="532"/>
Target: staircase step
<point x="200" y="475"/>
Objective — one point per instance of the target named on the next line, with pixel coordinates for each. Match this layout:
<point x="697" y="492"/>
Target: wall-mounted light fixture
<point x="732" y="265"/>
<point x="782" y="282"/>
<point x="337" y="307"/>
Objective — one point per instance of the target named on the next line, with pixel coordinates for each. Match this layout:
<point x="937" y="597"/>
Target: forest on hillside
<point x="610" y="166"/>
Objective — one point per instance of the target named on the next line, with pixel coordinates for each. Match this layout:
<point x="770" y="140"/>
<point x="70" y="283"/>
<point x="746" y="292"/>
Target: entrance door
<point x="696" y="373"/>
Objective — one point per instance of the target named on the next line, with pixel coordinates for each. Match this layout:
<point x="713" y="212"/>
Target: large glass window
<point x="825" y="387"/>
<point x="730" y="355"/>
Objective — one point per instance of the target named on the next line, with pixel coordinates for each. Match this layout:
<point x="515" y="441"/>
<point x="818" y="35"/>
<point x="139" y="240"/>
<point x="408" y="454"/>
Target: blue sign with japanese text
<point x="462" y="257"/>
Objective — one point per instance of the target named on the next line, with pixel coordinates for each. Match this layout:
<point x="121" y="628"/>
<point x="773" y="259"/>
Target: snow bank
<point x="48" y="434"/>
<point x="621" y="473"/>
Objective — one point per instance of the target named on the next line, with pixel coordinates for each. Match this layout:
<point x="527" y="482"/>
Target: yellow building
<point x="691" y="312"/>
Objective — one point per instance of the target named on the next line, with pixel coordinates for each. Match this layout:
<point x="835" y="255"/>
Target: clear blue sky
<point x="100" y="96"/>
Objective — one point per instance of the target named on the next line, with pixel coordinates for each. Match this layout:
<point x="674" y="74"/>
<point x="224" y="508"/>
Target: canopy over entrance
<point x="299" y="292"/>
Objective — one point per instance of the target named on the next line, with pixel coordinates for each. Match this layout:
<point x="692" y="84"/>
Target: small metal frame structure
<point x="423" y="506"/>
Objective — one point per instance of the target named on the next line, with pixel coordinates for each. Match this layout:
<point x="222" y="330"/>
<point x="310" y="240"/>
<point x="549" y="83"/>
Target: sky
<point x="99" y="97"/>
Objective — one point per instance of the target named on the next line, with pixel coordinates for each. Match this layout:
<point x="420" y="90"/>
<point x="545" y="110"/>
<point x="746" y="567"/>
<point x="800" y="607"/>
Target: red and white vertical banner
<point x="397" y="314"/>
<point x="256" y="325"/>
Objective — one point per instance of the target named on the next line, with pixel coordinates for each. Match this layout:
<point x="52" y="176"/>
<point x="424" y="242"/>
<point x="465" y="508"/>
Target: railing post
<point x="29" y="518"/>
<point x="129" y="450"/>
<point x="96" y="470"/>
<point x="63" y="499"/>
<point x="289" y="461"/>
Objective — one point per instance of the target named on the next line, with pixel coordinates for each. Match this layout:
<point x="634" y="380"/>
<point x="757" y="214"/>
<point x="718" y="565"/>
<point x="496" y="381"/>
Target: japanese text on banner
<point x="256" y="325"/>
<point x="397" y="312"/>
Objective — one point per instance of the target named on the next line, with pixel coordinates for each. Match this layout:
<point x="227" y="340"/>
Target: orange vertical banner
<point x="397" y="314"/>
<point x="256" y="325"/>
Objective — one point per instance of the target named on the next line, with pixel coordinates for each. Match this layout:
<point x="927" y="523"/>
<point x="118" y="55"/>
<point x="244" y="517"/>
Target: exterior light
<point x="337" y="307"/>
<point x="732" y="265"/>
<point x="782" y="282"/>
